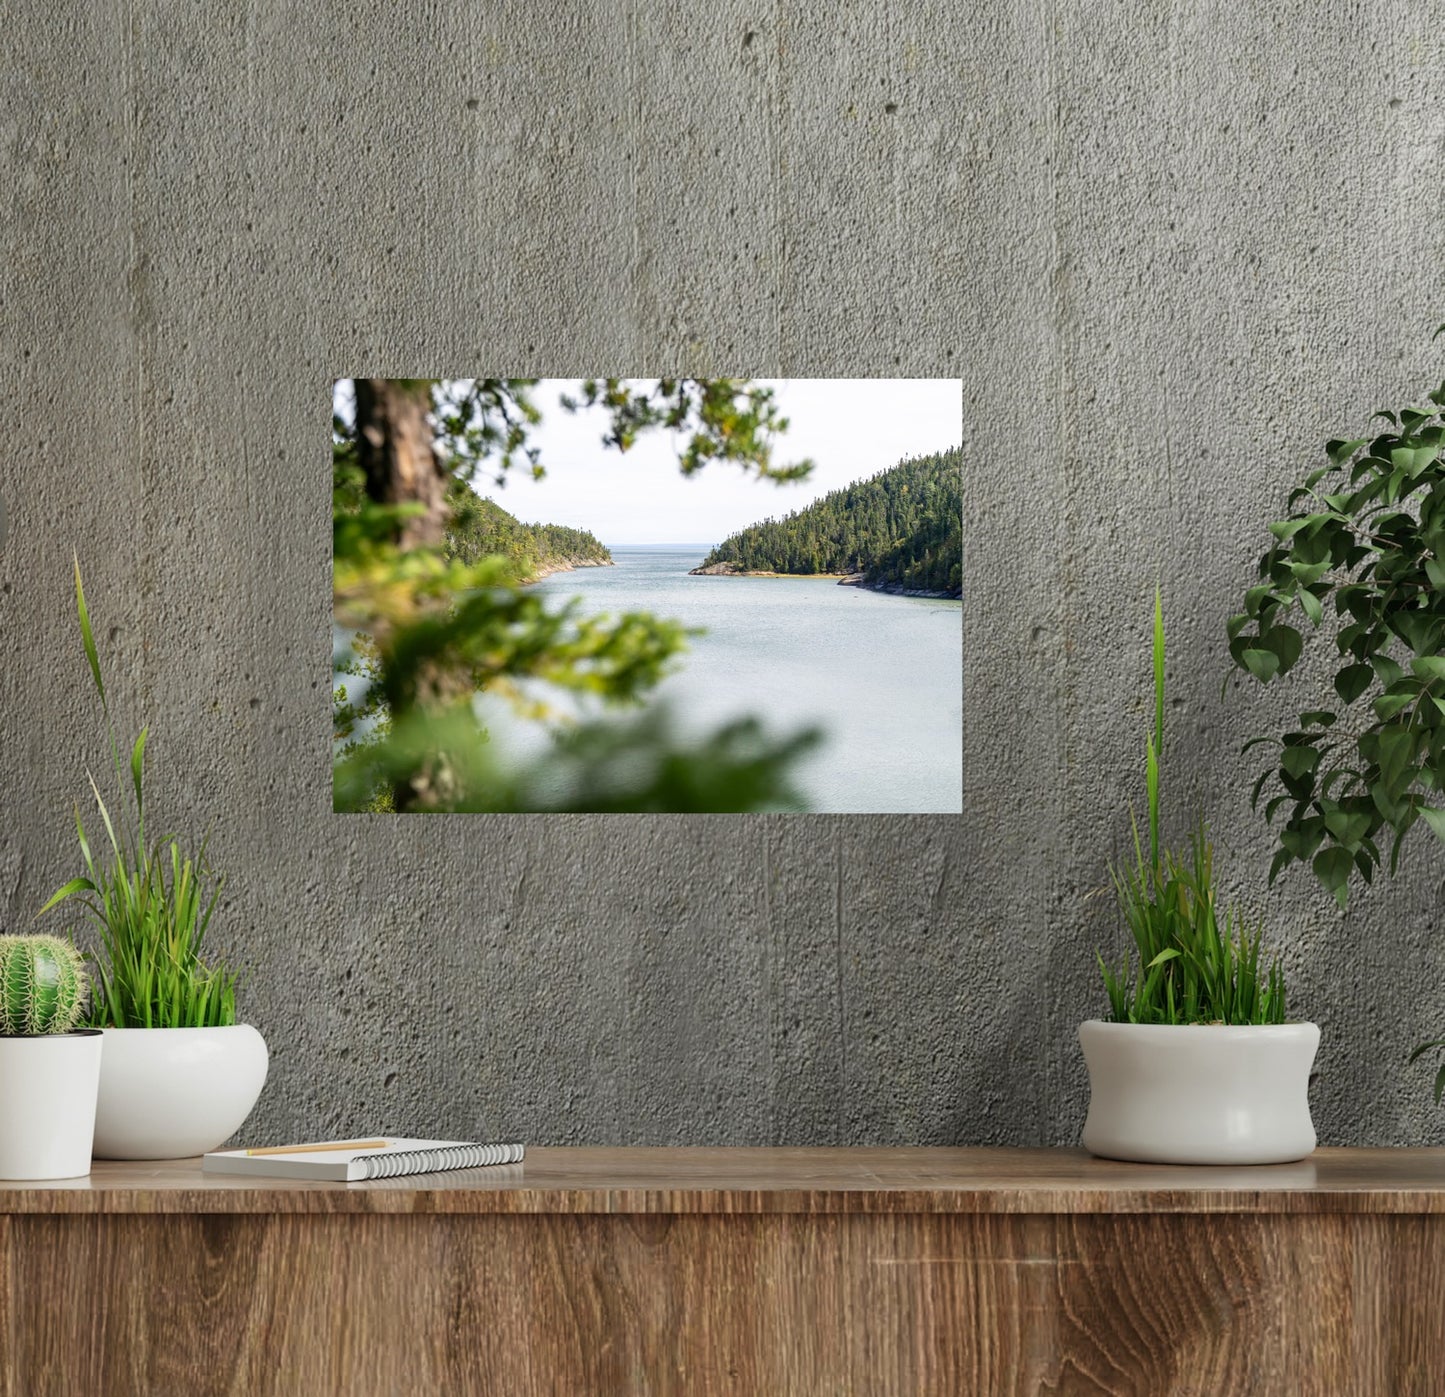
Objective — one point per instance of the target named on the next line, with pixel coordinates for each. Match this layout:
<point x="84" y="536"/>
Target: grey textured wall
<point x="1166" y="246"/>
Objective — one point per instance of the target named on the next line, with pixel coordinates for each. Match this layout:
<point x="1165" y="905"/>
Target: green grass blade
<point x="88" y="636"/>
<point x="1158" y="671"/>
<point x="105" y="817"/>
<point x="137" y="766"/>
<point x="76" y="885"/>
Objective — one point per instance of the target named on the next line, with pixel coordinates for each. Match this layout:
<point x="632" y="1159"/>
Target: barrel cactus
<point x="42" y="985"/>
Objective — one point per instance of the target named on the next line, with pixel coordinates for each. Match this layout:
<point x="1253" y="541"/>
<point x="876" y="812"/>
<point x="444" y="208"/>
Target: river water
<point x="880" y="675"/>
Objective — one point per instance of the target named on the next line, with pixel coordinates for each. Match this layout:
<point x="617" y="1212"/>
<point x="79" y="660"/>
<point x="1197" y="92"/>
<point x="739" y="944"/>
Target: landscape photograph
<point x="647" y="595"/>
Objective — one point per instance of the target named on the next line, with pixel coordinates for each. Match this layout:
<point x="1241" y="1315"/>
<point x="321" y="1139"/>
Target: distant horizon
<point x="852" y="429"/>
<point x="674" y="547"/>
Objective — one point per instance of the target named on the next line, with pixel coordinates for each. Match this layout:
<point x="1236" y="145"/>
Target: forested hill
<point x="479" y="527"/>
<point x="901" y="529"/>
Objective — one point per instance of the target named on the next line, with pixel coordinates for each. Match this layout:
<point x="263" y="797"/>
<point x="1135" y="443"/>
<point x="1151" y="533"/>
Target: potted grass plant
<point x="49" y="1067"/>
<point x="178" y="1075"/>
<point x="1196" y="1062"/>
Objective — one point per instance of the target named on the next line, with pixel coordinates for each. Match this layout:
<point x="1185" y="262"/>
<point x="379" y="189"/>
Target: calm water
<point x="881" y="675"/>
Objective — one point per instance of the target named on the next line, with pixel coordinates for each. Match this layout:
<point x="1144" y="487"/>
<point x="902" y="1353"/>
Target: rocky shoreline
<point x="570" y="566"/>
<point x="733" y="570"/>
<point x="852" y="579"/>
<point x="894" y="589"/>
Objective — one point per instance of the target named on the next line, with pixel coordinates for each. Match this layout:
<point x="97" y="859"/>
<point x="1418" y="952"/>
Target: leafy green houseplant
<point x="49" y="1069"/>
<point x="1358" y="559"/>
<point x="151" y="905"/>
<point x="1195" y="1063"/>
<point x="1364" y="541"/>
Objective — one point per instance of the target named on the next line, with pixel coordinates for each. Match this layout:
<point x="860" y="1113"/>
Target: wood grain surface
<point x="931" y="1180"/>
<point x="622" y="1299"/>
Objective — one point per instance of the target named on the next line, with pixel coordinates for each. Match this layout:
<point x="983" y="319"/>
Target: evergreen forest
<point x="900" y="529"/>
<point x="477" y="528"/>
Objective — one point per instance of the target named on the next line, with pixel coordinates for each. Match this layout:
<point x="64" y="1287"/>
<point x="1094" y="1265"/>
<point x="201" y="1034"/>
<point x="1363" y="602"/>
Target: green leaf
<point x="1412" y="459"/>
<point x="86" y="634"/>
<point x="1357" y="599"/>
<point x="1428" y="666"/>
<point x="1420" y="631"/>
<point x="1396" y="753"/>
<point x="1307" y="573"/>
<point x="1273" y="806"/>
<point x="1286" y="529"/>
<point x="1312" y="607"/>
<point x="1302" y="841"/>
<point x="1433" y="817"/>
<point x="76" y="885"/>
<point x="137" y="763"/>
<point x="1158" y="672"/>
<point x="1387" y="671"/>
<point x="1345" y="640"/>
<point x="1341" y="451"/>
<point x="1263" y="664"/>
<point x="1332" y="867"/>
<point x="1287" y="643"/>
<point x="1353" y="680"/>
<point x="1256" y="597"/>
<point x="1258" y="787"/>
<point x="105" y="819"/>
<point x="1388" y="706"/>
<point x="1348" y="829"/>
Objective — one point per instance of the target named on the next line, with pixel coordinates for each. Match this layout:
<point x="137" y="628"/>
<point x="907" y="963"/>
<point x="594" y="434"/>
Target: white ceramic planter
<point x="1199" y="1093"/>
<point x="169" y="1093"/>
<point x="47" y="1104"/>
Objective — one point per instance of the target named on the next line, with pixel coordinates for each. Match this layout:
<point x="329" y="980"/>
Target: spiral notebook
<point x="349" y="1161"/>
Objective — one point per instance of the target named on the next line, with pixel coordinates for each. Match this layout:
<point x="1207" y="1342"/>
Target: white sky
<point x="850" y="428"/>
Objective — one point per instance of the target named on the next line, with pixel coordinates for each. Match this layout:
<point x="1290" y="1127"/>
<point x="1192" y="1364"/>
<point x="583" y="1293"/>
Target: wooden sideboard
<point x="735" y="1271"/>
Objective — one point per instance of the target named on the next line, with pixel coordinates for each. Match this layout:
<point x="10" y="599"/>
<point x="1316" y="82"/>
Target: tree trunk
<point x="394" y="448"/>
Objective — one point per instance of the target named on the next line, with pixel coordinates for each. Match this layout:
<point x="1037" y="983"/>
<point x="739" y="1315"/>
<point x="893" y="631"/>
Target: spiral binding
<point x="389" y="1166"/>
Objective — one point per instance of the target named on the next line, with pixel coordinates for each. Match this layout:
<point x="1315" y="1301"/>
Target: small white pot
<point x="47" y="1104"/>
<point x="169" y="1093"/>
<point x="1199" y="1093"/>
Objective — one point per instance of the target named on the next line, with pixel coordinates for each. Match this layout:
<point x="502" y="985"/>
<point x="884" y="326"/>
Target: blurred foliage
<point x="902" y="527"/>
<point x="637" y="764"/>
<point x="426" y="630"/>
<point x="726" y="419"/>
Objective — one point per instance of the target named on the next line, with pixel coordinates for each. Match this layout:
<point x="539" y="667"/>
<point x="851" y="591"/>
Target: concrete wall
<point x="1169" y="248"/>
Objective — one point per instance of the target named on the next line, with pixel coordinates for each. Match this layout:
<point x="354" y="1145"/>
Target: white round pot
<point x="1199" y="1093"/>
<point x="47" y="1104"/>
<point x="168" y="1093"/>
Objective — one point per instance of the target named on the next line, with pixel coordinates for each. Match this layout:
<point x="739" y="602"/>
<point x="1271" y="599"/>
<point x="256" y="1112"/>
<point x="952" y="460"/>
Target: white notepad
<point x="400" y="1156"/>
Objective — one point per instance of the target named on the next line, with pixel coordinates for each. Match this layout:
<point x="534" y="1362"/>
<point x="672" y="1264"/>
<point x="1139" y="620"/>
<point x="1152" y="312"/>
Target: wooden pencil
<point x="325" y="1145"/>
